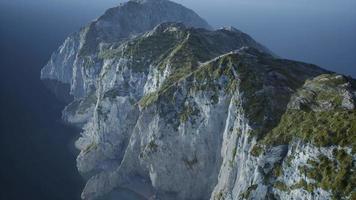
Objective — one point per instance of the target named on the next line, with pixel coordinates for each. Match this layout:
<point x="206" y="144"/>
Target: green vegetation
<point x="177" y="75"/>
<point x="281" y="186"/>
<point x="152" y="146"/>
<point x="258" y="101"/>
<point x="337" y="176"/>
<point x="181" y="56"/>
<point x="90" y="147"/>
<point x="187" y="112"/>
<point x="106" y="54"/>
<point x="143" y="50"/>
<point x="231" y="163"/>
<point x="288" y="160"/>
<point x="215" y="98"/>
<point x="234" y="152"/>
<point x="247" y="193"/>
<point x="323" y="128"/>
<point x="325" y="89"/>
<point x="330" y="80"/>
<point x="256" y="150"/>
<point x="184" y="61"/>
<point x="198" y="46"/>
<point x="148" y="99"/>
<point x="277" y="170"/>
<point x="219" y="196"/>
<point x="146" y="50"/>
<point x="209" y="74"/>
<point x="91" y="41"/>
<point x="302" y="184"/>
<point x="203" y="78"/>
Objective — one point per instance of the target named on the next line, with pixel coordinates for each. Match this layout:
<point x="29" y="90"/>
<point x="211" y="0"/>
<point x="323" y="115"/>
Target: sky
<point x="322" y="32"/>
<point x="33" y="141"/>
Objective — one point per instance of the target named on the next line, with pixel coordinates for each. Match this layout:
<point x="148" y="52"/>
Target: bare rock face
<point x="171" y="109"/>
<point x="69" y="64"/>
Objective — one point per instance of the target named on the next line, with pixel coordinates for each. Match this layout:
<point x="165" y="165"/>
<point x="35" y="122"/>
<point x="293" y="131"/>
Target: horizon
<point x="323" y="35"/>
<point x="37" y="133"/>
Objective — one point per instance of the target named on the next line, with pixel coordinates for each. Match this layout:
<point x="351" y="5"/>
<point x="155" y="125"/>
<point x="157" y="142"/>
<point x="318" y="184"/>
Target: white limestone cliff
<point x="178" y="111"/>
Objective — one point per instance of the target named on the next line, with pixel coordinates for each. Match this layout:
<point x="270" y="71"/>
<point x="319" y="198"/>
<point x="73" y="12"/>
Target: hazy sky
<point x="317" y="31"/>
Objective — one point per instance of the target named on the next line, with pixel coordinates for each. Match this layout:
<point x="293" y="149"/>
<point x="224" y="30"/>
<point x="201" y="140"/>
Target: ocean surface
<point x="37" y="157"/>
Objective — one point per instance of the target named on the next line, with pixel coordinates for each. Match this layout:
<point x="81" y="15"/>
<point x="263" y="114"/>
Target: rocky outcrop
<point x="69" y="64"/>
<point x="184" y="112"/>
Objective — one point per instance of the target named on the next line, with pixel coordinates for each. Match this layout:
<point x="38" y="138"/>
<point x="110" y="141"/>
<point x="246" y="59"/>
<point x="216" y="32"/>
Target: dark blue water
<point x="37" y="158"/>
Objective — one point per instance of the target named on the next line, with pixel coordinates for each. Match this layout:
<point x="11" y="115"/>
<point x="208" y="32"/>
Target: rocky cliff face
<point x="178" y="111"/>
<point x="117" y="25"/>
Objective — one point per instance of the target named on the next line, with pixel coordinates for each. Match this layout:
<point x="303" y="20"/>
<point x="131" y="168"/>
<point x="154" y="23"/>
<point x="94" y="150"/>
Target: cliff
<point x="171" y="109"/>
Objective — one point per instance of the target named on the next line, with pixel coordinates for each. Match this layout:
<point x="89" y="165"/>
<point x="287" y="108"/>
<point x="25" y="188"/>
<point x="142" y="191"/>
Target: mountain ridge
<point x="182" y="112"/>
<point x="85" y="42"/>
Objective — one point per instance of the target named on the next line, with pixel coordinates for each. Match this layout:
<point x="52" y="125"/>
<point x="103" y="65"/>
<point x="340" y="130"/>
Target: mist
<point x="321" y="32"/>
<point x="37" y="149"/>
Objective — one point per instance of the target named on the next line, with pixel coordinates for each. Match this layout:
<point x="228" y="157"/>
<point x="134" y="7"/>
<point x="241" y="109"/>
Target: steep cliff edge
<point x="118" y="24"/>
<point x="184" y="112"/>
